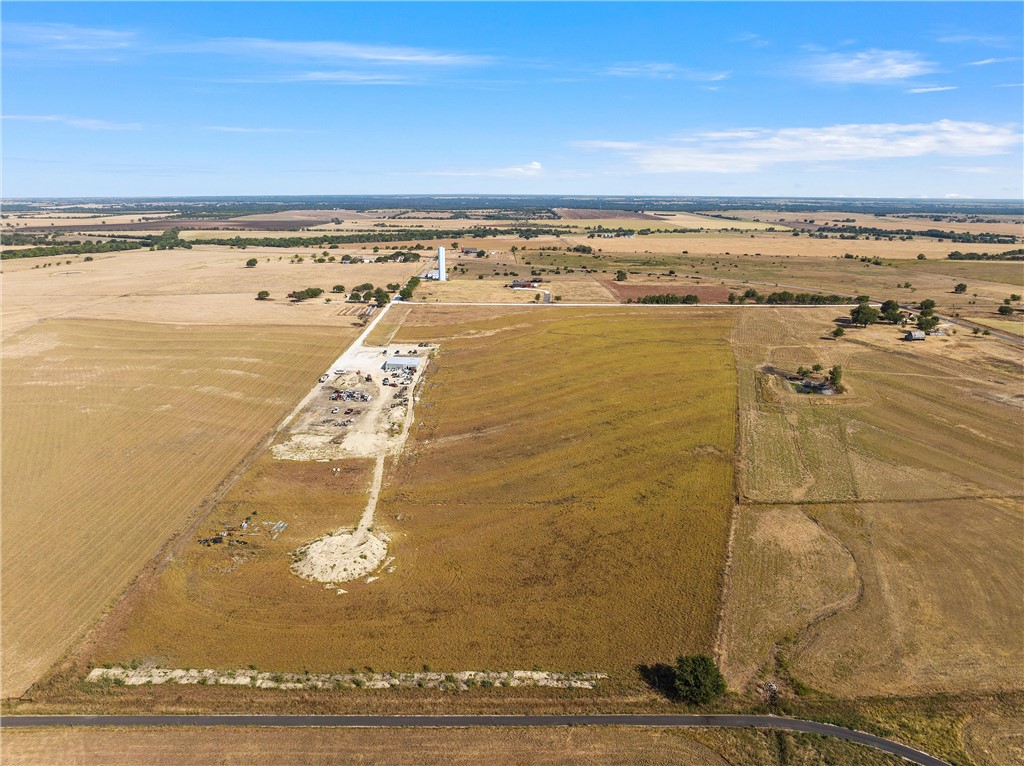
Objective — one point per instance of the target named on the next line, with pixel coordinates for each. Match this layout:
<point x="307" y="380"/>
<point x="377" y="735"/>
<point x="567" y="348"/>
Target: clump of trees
<point x="667" y="299"/>
<point x="406" y="292"/>
<point x="620" y="275"/>
<point x="864" y="314"/>
<point x="309" y="292"/>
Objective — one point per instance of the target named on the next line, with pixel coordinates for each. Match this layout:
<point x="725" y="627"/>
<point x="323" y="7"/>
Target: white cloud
<point x="986" y="62"/>
<point x="75" y="122"/>
<point x="870" y="66"/>
<point x="327" y="50"/>
<point x="66" y="37"/>
<point x="522" y="171"/>
<point x="932" y="89"/>
<point x="974" y="39"/>
<point x="662" y="71"/>
<point x="972" y="169"/>
<point x="749" y="150"/>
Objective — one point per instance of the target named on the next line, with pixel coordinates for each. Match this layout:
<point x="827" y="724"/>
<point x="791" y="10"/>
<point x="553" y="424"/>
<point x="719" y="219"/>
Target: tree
<point x="1005" y="310"/>
<point x="891" y="311"/>
<point x="839" y="332"/>
<point x="864" y="315"/>
<point x="835" y="377"/>
<point x="251" y="263"/>
<point x="698" y="679"/>
<point x="960" y="289"/>
<point x="1013" y="296"/>
<point x="817" y="367"/>
<point x="927" y="305"/>
<point x="620" y="276"/>
<point x="803" y="372"/>
<point x="921" y="256"/>
<point x="262" y="295"/>
<point x="338" y="289"/>
<point x="927" y="323"/>
<point x="381" y="296"/>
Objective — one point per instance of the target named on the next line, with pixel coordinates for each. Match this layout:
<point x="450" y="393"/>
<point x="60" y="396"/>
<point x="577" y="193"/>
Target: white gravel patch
<point x="459" y="681"/>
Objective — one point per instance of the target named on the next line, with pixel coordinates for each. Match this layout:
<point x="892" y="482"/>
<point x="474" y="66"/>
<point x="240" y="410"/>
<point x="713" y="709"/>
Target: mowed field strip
<point x="562" y="502"/>
<point x="113" y="432"/>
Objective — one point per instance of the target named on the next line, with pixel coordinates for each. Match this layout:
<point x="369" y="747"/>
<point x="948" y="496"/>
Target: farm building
<point x="433" y="274"/>
<point x="401" y="363"/>
<point x="914" y="335"/>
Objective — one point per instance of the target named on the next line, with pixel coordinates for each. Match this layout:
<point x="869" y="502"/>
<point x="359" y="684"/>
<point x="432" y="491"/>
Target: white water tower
<point x="442" y="272"/>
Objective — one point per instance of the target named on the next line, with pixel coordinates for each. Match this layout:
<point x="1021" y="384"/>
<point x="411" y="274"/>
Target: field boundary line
<point x="728" y="721"/>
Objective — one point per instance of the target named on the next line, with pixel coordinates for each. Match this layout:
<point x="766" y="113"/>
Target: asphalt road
<point x="459" y="721"/>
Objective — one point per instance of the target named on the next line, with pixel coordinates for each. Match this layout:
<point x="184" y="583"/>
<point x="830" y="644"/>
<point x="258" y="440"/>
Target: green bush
<point x="698" y="679"/>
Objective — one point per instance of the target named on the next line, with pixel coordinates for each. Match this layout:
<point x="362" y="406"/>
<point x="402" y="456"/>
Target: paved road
<point x="458" y="721"/>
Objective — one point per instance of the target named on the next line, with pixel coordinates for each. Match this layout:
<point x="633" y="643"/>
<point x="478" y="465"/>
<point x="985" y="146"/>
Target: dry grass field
<point x="988" y="283"/>
<point x="779" y="244"/>
<point x="995" y="224"/>
<point x="113" y="432"/>
<point x="208" y="285"/>
<point x="426" y="747"/>
<point x="901" y="569"/>
<point x="562" y="503"/>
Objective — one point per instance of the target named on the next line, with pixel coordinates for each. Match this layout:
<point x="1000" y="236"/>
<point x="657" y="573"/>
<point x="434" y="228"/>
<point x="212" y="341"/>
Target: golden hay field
<point x="113" y="432"/>
<point x="562" y="503"/>
<point x="901" y="569"/>
<point x="605" y="746"/>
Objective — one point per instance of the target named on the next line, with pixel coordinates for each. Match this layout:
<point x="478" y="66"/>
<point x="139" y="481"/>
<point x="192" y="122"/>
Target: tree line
<point x="395" y="235"/>
<point x="987" y="238"/>
<point x="787" y="297"/>
<point x="1009" y="255"/>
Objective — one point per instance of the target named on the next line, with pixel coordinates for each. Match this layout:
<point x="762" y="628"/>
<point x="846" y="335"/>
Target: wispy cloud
<point x="66" y="37"/>
<point x="976" y="39"/>
<point x="932" y="89"/>
<point x="972" y="169"/>
<point x="753" y="39"/>
<point x="986" y="62"/>
<point x="752" y="149"/>
<point x="334" y="51"/>
<point x="75" y="122"/>
<point x="663" y="71"/>
<point x="521" y="171"/>
<point x="869" y="67"/>
<point x="1010" y="85"/>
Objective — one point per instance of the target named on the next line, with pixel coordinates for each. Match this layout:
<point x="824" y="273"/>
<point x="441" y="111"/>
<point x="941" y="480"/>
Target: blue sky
<point x="772" y="99"/>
